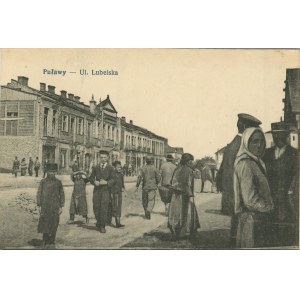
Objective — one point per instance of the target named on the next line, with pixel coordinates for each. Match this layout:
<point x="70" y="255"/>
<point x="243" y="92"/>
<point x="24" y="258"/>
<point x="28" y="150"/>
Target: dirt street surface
<point x="19" y="219"/>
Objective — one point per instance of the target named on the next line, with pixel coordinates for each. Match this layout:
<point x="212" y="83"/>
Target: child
<point x="116" y="193"/>
<point x="50" y="200"/>
<point x="78" y="204"/>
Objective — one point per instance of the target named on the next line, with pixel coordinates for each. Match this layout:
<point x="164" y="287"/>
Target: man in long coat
<point x="50" y="200"/>
<point x="282" y="168"/>
<point x="16" y="166"/>
<point x="225" y="174"/>
<point x="102" y="179"/>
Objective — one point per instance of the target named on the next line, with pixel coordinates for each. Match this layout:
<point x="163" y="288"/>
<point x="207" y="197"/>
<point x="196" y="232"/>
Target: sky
<point x="190" y="96"/>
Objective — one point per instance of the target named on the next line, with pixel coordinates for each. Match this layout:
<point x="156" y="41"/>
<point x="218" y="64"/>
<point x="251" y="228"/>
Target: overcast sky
<point x="191" y="97"/>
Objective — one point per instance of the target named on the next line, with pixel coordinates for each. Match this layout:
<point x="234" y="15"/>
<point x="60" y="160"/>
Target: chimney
<point x="123" y="119"/>
<point x="71" y="96"/>
<point x="51" y="89"/>
<point x="63" y="94"/>
<point x="42" y="87"/>
<point x="107" y="97"/>
<point x="92" y="105"/>
<point x="23" y="80"/>
<point x="131" y="122"/>
<point x="77" y="98"/>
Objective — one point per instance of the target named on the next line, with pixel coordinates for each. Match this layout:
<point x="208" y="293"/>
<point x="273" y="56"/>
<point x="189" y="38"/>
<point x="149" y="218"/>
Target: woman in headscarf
<point x="183" y="217"/>
<point x="253" y="201"/>
<point x="23" y="167"/>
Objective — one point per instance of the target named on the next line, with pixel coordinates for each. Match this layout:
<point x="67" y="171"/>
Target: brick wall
<point x="19" y="146"/>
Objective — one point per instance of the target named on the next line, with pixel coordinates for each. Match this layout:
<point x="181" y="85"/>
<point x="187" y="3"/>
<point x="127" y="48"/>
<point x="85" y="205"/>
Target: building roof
<point x="107" y="105"/>
<point x="293" y="85"/>
<point x="178" y="150"/>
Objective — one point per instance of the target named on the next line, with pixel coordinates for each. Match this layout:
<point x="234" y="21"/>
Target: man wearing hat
<point x="50" y="201"/>
<point x="282" y="167"/>
<point x="102" y="179"/>
<point x="166" y="171"/>
<point x="225" y="174"/>
<point x="150" y="178"/>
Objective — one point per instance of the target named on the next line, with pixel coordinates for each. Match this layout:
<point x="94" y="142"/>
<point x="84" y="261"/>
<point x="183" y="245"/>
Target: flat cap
<point x="249" y="119"/>
<point x="52" y="167"/>
<point x="104" y="152"/>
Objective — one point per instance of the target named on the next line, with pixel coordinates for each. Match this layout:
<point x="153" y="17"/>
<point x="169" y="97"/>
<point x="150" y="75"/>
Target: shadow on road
<point x="135" y="215"/>
<point x="161" y="239"/>
<point x="215" y="211"/>
<point x="36" y="243"/>
<point x="90" y="227"/>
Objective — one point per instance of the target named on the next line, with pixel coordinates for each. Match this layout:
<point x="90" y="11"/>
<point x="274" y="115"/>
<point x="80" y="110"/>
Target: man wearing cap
<point x="50" y="201"/>
<point x="225" y="174"/>
<point x="282" y="167"/>
<point x="102" y="179"/>
<point x="150" y="178"/>
<point x="166" y="171"/>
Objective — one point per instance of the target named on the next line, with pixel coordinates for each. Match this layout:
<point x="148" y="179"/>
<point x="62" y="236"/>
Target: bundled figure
<point x="253" y="200"/>
<point x="78" y="204"/>
<point x="23" y="167"/>
<point x="116" y="193"/>
<point x="50" y="200"/>
<point x="183" y="217"/>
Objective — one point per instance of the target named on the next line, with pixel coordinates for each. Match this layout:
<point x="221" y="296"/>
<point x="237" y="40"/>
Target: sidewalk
<point x="8" y="180"/>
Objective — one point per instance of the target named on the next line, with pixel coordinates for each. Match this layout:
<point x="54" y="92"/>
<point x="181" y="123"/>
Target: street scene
<point x="154" y="164"/>
<point x="138" y="233"/>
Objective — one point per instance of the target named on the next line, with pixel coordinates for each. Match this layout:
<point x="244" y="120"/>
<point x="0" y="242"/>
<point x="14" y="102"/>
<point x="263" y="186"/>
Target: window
<point x="294" y="138"/>
<point x="46" y="111"/>
<point x="80" y="127"/>
<point x="89" y="130"/>
<point x="54" y="121"/>
<point x="65" y="123"/>
<point x="12" y="125"/>
<point x="99" y="129"/>
<point x="72" y="124"/>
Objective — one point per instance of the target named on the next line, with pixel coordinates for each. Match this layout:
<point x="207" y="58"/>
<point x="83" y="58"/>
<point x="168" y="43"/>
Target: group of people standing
<point x="23" y="166"/>
<point x="259" y="186"/>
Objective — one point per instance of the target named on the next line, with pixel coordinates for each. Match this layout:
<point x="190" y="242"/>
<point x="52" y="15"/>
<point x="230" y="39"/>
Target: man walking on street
<point x="37" y="166"/>
<point x="166" y="171"/>
<point x="225" y="174"/>
<point x="16" y="166"/>
<point x="102" y="179"/>
<point x="50" y="200"/>
<point x="150" y="178"/>
<point x="30" y="166"/>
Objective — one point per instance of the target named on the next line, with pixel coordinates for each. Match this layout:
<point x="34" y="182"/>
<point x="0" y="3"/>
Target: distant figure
<point x="116" y="193"/>
<point x="166" y="171"/>
<point x="183" y="217"/>
<point x="37" y="166"/>
<point x="16" y="166"/>
<point x="149" y="177"/>
<point x="197" y="181"/>
<point x="78" y="205"/>
<point x="225" y="174"/>
<point x="253" y="200"/>
<point x="282" y="167"/>
<point x="23" y="167"/>
<point x="45" y="167"/>
<point x="207" y="179"/>
<point x="30" y="166"/>
<point x="75" y="167"/>
<point x="50" y="200"/>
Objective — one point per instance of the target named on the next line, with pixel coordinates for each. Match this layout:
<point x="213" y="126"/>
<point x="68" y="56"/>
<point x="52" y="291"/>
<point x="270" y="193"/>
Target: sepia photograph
<point x="149" y="149"/>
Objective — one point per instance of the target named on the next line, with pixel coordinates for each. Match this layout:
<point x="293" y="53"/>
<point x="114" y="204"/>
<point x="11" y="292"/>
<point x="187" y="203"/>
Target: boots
<point x="118" y="224"/>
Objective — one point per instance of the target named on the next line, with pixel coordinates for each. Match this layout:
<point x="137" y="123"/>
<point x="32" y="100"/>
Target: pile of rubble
<point x="28" y="203"/>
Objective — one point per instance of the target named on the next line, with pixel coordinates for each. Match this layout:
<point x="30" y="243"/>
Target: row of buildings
<point x="61" y="128"/>
<point x="291" y="113"/>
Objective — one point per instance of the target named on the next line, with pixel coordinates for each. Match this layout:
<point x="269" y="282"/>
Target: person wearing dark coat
<point x="225" y="174"/>
<point x="282" y="167"/>
<point x="30" y="166"/>
<point x="78" y="205"/>
<point x="116" y="193"/>
<point x="102" y="179"/>
<point x="37" y="166"/>
<point x="50" y="201"/>
<point x="16" y="166"/>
